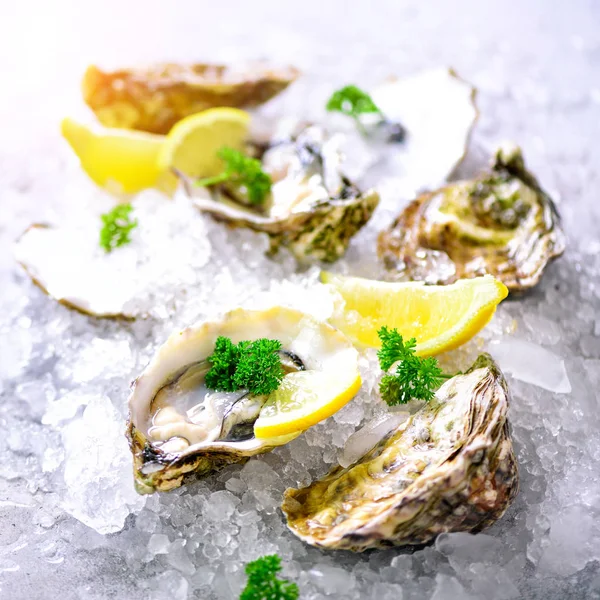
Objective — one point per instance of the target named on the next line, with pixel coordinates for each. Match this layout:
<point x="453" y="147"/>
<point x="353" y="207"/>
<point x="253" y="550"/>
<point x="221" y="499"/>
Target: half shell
<point x="139" y="279"/>
<point x="313" y="210"/>
<point x="436" y="110"/>
<point x="179" y="428"/>
<point x="449" y="467"/>
<point x="154" y="98"/>
<point x="502" y="223"/>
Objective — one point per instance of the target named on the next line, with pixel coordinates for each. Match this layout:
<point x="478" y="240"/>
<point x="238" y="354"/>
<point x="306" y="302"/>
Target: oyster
<point x="423" y="136"/>
<point x="154" y="98"/>
<point x="313" y="209"/>
<point x="449" y="467"/>
<point x="179" y="428"/>
<point x="501" y="223"/>
<point x="142" y="278"/>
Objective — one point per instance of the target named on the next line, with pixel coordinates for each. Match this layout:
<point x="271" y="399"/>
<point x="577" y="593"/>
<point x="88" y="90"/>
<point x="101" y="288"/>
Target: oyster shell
<point x="177" y="428"/>
<point x="436" y="110"/>
<point x="142" y="278"/>
<point x="313" y="209"/>
<point x="501" y="223"/>
<point x="449" y="467"/>
<point x="154" y="98"/>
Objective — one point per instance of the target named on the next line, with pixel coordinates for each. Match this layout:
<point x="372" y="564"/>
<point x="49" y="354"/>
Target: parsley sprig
<point x="263" y="583"/>
<point x="254" y="366"/>
<point x="116" y="227"/>
<point x="352" y="101"/>
<point x="414" y="377"/>
<point x="243" y="172"/>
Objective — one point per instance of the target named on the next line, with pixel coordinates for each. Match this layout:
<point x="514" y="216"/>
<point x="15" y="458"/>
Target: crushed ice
<point x="64" y="377"/>
<point x="532" y="363"/>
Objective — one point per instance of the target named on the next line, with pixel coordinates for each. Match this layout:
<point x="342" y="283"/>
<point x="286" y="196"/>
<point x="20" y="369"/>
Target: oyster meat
<point x="449" y="467"/>
<point x="154" y="98"/>
<point x="179" y="428"/>
<point x="313" y="210"/>
<point x="502" y="223"/>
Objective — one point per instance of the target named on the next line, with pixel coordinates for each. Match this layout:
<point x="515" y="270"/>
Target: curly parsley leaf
<point x="414" y="377"/>
<point x="352" y="101"/>
<point x="243" y="172"/>
<point x="116" y="227"/>
<point x="224" y="359"/>
<point x="259" y="368"/>
<point x="255" y="366"/>
<point x="263" y="583"/>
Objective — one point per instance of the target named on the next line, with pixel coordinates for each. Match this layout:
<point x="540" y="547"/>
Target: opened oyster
<point x="421" y="135"/>
<point x="501" y="223"/>
<point x="153" y="99"/>
<point x="313" y="209"/>
<point x="178" y="427"/>
<point x="449" y="467"/>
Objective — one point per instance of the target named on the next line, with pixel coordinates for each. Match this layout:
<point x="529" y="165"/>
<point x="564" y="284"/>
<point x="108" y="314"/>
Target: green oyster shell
<point x="319" y="230"/>
<point x="501" y="223"/>
<point x="449" y="467"/>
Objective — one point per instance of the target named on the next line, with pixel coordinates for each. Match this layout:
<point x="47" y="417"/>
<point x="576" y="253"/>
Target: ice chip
<point x="531" y="363"/>
<point x="332" y="580"/>
<point x="449" y="588"/>
<point x="97" y="472"/>
<point x="65" y="407"/>
<point x="158" y="543"/>
<point x="169" y="585"/>
<point x="468" y="547"/>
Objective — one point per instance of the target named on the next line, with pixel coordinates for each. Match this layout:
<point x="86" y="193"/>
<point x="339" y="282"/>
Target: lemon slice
<point x="118" y="159"/>
<point x="440" y="317"/>
<point x="303" y="399"/>
<point x="192" y="144"/>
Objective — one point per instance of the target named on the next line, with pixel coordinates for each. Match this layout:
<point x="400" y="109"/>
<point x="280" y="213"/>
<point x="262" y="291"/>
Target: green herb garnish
<point x="116" y="227"/>
<point x="254" y="366"/>
<point x="352" y="101"/>
<point x="415" y="377"/>
<point x="244" y="172"/>
<point x="263" y="583"/>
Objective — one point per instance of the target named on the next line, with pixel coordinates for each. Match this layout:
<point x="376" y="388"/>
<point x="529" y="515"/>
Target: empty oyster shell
<point x="154" y="98"/>
<point x="449" y="467"/>
<point x="501" y="223"/>
<point x="142" y="278"/>
<point x="178" y="427"/>
<point x="313" y="209"/>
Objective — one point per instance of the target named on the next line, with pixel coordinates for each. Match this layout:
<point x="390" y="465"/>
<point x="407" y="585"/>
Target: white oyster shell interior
<point x="438" y="111"/>
<point x="68" y="263"/>
<point x="183" y="413"/>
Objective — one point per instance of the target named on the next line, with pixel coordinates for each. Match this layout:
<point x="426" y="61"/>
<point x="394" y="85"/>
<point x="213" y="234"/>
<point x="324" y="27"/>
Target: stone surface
<point x="70" y="524"/>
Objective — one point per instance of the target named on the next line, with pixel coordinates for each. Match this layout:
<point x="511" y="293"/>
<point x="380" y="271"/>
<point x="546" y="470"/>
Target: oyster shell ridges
<point x="317" y="221"/>
<point x="153" y="99"/>
<point x="389" y="498"/>
<point x="423" y="244"/>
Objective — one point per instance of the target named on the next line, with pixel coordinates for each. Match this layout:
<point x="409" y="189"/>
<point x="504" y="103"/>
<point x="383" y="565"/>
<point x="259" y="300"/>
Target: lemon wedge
<point x="119" y="160"/>
<point x="192" y="144"/>
<point x="305" y="398"/>
<point x="440" y="317"/>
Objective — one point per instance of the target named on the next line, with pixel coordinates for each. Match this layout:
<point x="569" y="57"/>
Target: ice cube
<point x="97" y="472"/>
<point x="158" y="543"/>
<point x="531" y="363"/>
